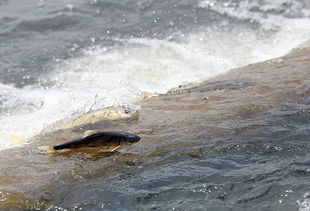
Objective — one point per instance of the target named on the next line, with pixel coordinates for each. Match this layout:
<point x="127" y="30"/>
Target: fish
<point x="107" y="138"/>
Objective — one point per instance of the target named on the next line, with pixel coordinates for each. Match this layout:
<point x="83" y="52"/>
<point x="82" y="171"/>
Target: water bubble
<point x="94" y="2"/>
<point x="70" y="7"/>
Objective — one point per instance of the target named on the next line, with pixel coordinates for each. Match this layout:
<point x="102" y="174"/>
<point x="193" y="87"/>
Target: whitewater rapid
<point x="111" y="76"/>
<point x="120" y="73"/>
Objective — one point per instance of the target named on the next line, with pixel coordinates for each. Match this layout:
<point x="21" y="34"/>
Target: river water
<point x="60" y="59"/>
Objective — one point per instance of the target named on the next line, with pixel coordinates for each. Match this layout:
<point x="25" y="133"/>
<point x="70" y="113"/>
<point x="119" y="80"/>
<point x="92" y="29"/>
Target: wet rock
<point x="109" y="113"/>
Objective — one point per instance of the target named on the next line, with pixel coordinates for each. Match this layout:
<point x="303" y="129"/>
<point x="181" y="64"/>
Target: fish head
<point x="129" y="138"/>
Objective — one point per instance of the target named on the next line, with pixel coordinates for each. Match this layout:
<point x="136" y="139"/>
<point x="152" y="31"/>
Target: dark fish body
<point x="111" y="138"/>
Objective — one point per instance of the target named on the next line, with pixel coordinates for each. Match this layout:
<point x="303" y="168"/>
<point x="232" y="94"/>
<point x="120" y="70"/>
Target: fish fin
<point x="113" y="150"/>
<point x="17" y="138"/>
<point x="147" y="95"/>
<point x="48" y="149"/>
<point x="89" y="132"/>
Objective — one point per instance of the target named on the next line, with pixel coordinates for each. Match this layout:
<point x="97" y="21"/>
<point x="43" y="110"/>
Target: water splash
<point x="111" y="76"/>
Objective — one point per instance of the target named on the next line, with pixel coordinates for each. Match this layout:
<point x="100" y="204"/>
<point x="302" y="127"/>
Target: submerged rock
<point x="109" y="113"/>
<point x="236" y="114"/>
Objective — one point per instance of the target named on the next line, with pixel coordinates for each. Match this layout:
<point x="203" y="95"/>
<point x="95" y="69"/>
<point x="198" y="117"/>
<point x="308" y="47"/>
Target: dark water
<point x="238" y="152"/>
<point x="36" y="33"/>
<point x="237" y="142"/>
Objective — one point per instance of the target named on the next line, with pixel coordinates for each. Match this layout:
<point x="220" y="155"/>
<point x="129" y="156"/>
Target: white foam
<point x="304" y="205"/>
<point x="268" y="13"/>
<point x="104" y="77"/>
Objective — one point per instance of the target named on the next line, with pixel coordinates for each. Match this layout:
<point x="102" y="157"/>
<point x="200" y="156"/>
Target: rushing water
<point x="60" y="59"/>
